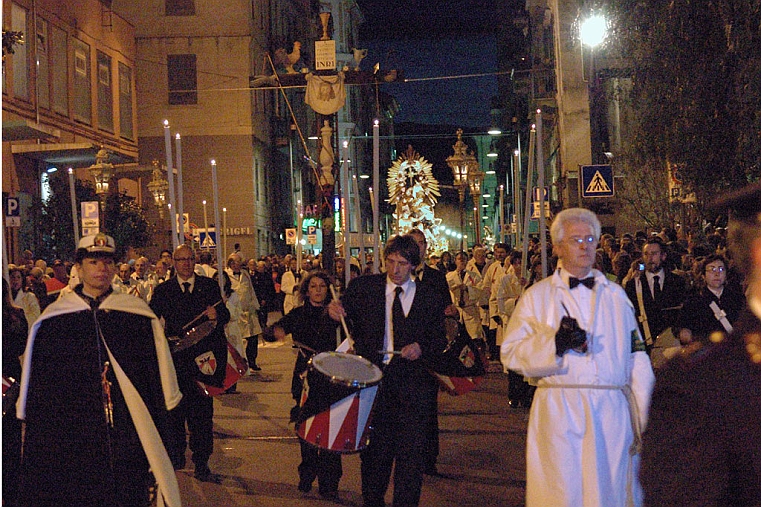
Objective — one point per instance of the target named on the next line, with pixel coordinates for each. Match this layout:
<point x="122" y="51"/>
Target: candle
<point x="170" y="178"/>
<point x="205" y="242"/>
<point x="215" y="188"/>
<point x="180" y="206"/>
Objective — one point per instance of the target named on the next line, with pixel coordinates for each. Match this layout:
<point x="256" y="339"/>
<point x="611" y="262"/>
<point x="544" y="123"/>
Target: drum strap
<point x="721" y="316"/>
<point x="642" y="313"/>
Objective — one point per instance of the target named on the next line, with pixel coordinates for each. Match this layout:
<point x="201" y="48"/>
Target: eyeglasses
<point x="716" y="269"/>
<point x="580" y="240"/>
<point x="183" y="259"/>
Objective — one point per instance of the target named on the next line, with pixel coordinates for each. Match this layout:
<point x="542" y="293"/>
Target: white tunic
<point x="580" y="432"/>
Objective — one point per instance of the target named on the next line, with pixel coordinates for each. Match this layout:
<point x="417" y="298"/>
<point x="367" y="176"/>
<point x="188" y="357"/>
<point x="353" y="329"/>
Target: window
<point x="105" y="93"/>
<point x="182" y="79"/>
<point x="60" y="64"/>
<point x="82" y="90"/>
<point x="125" y="102"/>
<point x="180" y="7"/>
<point x="43" y="66"/>
<point x="20" y="55"/>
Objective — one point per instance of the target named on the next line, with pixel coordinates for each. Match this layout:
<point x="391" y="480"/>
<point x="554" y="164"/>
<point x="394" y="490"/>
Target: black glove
<point x="570" y="336"/>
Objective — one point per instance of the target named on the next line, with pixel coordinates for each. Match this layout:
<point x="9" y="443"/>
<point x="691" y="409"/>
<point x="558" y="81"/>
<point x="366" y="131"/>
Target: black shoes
<point x="305" y="486"/>
<point x="255" y="368"/>
<point x="203" y="474"/>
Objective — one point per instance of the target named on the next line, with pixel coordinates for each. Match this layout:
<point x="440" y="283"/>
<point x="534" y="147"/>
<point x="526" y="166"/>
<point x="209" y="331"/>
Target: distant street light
<point x="593" y="30"/>
<point x="158" y="187"/>
<point x="462" y="163"/>
<point x="102" y="172"/>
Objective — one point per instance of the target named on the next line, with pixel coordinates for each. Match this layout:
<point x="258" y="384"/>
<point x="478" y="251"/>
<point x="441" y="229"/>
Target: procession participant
<point x="249" y="304"/>
<point x="142" y="281"/>
<point x="702" y="445"/>
<point x="166" y="256"/>
<point x="98" y="380"/>
<point x="575" y="336"/>
<point x="489" y="285"/>
<point x="264" y="287"/>
<point x="463" y="289"/>
<point x="27" y="301"/>
<point x="314" y="331"/>
<point x="180" y="301"/>
<point x="425" y="274"/>
<point x="714" y="307"/>
<point x="395" y="322"/>
<point x="290" y="285"/>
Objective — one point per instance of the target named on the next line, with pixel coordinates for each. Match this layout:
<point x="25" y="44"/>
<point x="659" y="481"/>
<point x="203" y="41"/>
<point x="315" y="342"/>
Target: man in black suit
<point x="400" y="336"/>
<point x="438" y="281"/>
<point x="180" y="301"/>
<point x="662" y="293"/>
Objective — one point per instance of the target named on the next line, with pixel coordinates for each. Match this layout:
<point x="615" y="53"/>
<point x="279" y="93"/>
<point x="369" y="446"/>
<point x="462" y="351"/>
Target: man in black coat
<point x="663" y="293"/>
<point x="702" y="445"/>
<point x="187" y="300"/>
<point x="399" y="331"/>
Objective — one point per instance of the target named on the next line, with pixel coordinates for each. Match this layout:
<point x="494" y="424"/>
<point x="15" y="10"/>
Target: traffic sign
<point x="536" y="194"/>
<point x="290" y="236"/>
<point x="597" y="181"/>
<point x="312" y="235"/>
<point x="12" y="212"/>
<point x="90" y="218"/>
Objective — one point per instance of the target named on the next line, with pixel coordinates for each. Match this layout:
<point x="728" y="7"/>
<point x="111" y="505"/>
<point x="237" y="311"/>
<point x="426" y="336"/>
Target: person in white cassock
<point x="575" y="336"/>
<point x="97" y="382"/>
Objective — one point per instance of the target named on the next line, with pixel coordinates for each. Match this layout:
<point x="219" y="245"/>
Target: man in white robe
<point x="582" y="348"/>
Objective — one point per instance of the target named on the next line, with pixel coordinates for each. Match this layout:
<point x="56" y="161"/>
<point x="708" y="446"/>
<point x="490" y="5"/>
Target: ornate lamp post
<point x="102" y="172"/>
<point x="158" y="187"/>
<point x="461" y="163"/>
<point x="476" y="181"/>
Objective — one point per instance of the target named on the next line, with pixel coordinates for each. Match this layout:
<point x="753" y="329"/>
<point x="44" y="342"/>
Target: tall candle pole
<point x="540" y="184"/>
<point x="376" y="186"/>
<point x="205" y="226"/>
<point x="502" y="213"/>
<point x="345" y="198"/>
<point x="73" y="195"/>
<point x="224" y="233"/>
<point x="170" y="177"/>
<point x="180" y="208"/>
<point x="360" y="228"/>
<point x="220" y="261"/>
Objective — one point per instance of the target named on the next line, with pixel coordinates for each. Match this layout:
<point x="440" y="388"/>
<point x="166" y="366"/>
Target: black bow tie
<point x="588" y="282"/>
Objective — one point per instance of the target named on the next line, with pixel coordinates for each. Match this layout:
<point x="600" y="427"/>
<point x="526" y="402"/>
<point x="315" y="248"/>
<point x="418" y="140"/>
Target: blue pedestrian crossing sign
<point x="597" y="181"/>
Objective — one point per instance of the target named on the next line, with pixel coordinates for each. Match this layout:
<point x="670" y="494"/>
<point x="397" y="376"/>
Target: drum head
<point x="347" y="369"/>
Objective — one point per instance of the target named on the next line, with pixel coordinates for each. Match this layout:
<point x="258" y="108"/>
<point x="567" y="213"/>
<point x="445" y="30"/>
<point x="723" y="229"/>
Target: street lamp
<point x="475" y="181"/>
<point x="158" y="187"/>
<point x="461" y="163"/>
<point x="102" y="172"/>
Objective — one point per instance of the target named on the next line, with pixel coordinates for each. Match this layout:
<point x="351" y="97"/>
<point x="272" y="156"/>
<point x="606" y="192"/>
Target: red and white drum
<point x="337" y="401"/>
<point x="235" y="368"/>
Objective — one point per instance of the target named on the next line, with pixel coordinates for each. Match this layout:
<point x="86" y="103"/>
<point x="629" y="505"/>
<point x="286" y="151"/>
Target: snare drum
<point x="337" y="401"/>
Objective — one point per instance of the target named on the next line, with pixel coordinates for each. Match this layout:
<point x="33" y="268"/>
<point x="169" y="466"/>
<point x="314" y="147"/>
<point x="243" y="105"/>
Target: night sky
<point x="430" y="39"/>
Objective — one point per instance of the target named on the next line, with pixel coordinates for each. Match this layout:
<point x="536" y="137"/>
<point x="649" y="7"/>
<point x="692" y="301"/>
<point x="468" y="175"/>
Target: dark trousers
<point x="11" y="457"/>
<point x="320" y="464"/>
<point x="197" y="411"/>
<point x="252" y="350"/>
<point x="491" y="341"/>
<point x="432" y="435"/>
<point x="518" y="390"/>
<point x="401" y="421"/>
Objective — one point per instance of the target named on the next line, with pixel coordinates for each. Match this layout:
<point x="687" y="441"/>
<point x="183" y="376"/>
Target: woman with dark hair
<point x="714" y="307"/>
<point x="313" y="332"/>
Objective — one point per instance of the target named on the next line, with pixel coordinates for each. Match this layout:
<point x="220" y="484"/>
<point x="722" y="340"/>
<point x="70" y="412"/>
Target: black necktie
<point x="462" y="289"/>
<point x="186" y="287"/>
<point x="397" y="316"/>
<point x="656" y="288"/>
<point x="588" y="282"/>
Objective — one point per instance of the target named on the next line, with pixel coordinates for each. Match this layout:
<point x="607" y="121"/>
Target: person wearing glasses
<point x="715" y="307"/>
<point x="574" y="335"/>
<point x="187" y="300"/>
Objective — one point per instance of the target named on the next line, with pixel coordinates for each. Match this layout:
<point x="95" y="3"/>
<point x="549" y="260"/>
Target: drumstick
<point x="190" y="324"/>
<point x="343" y="321"/>
<point x="305" y="347"/>
<point x="391" y="352"/>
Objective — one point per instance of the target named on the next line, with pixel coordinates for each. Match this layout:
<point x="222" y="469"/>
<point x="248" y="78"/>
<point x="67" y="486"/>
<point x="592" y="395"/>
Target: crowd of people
<point x="581" y="332"/>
